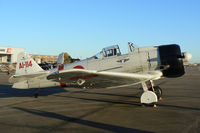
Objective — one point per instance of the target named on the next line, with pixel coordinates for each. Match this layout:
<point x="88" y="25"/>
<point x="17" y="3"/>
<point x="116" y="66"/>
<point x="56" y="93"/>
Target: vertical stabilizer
<point x="26" y="65"/>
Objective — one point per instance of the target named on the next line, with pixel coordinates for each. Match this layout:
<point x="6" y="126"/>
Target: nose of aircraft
<point x="170" y="55"/>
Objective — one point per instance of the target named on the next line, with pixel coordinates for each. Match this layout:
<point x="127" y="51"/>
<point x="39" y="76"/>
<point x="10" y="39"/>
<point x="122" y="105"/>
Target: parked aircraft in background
<point x="63" y="58"/>
<point x="108" y="68"/>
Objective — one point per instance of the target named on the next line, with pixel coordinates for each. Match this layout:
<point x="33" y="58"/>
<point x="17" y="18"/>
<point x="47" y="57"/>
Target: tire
<point x="36" y="95"/>
<point x="158" y="91"/>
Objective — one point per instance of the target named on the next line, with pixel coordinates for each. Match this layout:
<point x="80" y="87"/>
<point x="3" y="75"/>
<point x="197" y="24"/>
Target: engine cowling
<point x="171" y="60"/>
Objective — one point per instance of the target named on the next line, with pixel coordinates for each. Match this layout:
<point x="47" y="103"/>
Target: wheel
<point x="158" y="91"/>
<point x="148" y="97"/>
<point x="36" y="95"/>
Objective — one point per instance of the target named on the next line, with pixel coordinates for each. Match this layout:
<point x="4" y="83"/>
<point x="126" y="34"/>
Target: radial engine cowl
<point x="171" y="56"/>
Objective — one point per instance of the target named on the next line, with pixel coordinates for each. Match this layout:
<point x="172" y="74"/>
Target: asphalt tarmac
<point x="59" y="110"/>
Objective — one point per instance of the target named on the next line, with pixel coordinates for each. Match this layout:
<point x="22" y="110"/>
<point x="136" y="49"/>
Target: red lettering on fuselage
<point x="25" y="64"/>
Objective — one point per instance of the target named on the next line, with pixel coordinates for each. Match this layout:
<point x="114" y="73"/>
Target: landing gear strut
<point x="151" y="95"/>
<point x="158" y="91"/>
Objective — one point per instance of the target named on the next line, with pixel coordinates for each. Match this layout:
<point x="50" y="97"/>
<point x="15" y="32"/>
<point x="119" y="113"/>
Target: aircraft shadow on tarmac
<point x="110" y="94"/>
<point x="7" y="91"/>
<point x="179" y="107"/>
<point x="135" y="103"/>
<point x="107" y="127"/>
<point x="101" y="100"/>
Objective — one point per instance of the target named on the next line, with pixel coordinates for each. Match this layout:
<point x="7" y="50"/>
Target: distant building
<point x="44" y="58"/>
<point x="9" y="54"/>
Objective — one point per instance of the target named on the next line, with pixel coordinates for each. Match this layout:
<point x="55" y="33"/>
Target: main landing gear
<point x="151" y="94"/>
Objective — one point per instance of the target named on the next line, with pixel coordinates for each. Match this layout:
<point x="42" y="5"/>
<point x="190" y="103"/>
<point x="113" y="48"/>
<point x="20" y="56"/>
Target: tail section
<point x="26" y="65"/>
<point x="29" y="74"/>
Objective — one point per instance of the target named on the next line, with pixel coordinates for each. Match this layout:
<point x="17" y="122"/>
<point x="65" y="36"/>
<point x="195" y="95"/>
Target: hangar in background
<point x="9" y="54"/>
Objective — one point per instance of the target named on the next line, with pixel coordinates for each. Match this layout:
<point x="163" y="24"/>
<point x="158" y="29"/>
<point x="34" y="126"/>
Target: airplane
<point x="108" y="68"/>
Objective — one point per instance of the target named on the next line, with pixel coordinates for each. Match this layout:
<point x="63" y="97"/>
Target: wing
<point x="103" y="78"/>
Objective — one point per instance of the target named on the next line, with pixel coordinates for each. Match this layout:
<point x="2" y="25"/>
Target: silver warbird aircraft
<point x="108" y="68"/>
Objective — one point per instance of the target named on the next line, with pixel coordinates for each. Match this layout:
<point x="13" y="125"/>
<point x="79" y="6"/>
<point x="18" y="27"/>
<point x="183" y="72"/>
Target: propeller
<point x="186" y="56"/>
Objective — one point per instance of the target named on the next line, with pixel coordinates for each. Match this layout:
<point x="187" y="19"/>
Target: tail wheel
<point x="36" y="95"/>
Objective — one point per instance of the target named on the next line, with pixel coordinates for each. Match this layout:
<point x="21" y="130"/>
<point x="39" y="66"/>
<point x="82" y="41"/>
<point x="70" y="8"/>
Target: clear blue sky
<point x="83" y="27"/>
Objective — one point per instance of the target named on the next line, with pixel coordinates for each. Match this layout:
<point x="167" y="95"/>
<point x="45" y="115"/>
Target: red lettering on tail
<point x="21" y="65"/>
<point x="25" y="64"/>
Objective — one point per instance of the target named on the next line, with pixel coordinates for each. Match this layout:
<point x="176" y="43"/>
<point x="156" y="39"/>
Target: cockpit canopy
<point x="108" y="52"/>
